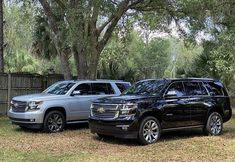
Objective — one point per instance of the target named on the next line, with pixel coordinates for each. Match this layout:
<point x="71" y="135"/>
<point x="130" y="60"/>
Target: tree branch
<point x="105" y="24"/>
<point x="95" y="12"/>
<point x="101" y="28"/>
<point x="113" y="20"/>
<point x="50" y="16"/>
<point x="61" y="4"/>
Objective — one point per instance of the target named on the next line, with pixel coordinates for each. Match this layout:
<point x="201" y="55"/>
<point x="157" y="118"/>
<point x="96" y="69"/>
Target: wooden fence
<point x="14" y="84"/>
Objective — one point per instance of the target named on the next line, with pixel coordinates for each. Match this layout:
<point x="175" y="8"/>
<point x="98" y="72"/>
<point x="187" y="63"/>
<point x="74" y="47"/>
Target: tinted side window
<point x="194" y="88"/>
<point x="85" y="89"/>
<point x="122" y="86"/>
<point x="214" y="88"/>
<point x="178" y="88"/>
<point x="101" y="88"/>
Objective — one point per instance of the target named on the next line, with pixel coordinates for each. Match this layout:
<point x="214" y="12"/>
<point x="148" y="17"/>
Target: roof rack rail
<point x="110" y="80"/>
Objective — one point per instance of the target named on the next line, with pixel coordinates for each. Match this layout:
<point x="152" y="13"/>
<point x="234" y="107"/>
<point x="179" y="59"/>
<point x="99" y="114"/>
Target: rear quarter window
<point x="215" y="88"/>
<point x="102" y="89"/>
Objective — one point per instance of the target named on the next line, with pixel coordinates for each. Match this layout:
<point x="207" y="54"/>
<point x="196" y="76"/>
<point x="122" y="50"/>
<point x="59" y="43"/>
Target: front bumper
<point x="28" y="119"/>
<point x="121" y="129"/>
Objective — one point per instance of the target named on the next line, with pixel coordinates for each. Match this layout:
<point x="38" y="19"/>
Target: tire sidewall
<point x="208" y="127"/>
<point x="45" y="123"/>
<point x="140" y="133"/>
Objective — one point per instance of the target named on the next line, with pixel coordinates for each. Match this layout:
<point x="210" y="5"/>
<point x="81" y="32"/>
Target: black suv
<point x="152" y="106"/>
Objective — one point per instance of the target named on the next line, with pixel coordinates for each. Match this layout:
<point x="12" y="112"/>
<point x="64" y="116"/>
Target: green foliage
<point x="216" y="61"/>
<point x="134" y="59"/>
<point x="20" y="52"/>
<point x="18" y="36"/>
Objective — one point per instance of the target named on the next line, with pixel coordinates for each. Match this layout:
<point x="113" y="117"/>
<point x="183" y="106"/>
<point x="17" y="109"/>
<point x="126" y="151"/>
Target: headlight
<point x="128" y="109"/>
<point x="34" y="105"/>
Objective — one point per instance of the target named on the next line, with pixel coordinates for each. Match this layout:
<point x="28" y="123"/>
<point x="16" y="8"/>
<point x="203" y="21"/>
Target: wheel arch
<point x="155" y="114"/>
<point x="56" y="108"/>
<point x="215" y="109"/>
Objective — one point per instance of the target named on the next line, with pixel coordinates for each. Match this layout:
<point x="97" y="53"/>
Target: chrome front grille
<point x="18" y="106"/>
<point x="105" y="111"/>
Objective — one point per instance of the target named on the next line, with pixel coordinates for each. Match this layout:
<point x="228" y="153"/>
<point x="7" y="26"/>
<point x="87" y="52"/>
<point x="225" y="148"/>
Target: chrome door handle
<point x="169" y="114"/>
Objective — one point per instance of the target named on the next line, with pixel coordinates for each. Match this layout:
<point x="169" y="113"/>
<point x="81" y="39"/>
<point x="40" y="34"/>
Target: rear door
<point x="176" y="111"/>
<point x="198" y="99"/>
<point x="79" y="103"/>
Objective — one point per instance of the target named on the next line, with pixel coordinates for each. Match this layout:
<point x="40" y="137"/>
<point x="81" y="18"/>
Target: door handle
<point x="170" y="114"/>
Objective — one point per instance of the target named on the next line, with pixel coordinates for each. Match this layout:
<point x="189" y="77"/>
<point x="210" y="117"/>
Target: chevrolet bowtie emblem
<point x="101" y="110"/>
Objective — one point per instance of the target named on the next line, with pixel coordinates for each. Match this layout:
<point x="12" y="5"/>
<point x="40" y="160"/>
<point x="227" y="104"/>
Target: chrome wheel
<point x="55" y="122"/>
<point x="150" y="131"/>
<point x="215" y="125"/>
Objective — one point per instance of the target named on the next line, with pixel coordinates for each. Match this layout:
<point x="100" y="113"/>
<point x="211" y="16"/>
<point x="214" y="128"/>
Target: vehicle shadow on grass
<point x="69" y="127"/>
<point x="228" y="133"/>
<point x="76" y="127"/>
<point x="166" y="136"/>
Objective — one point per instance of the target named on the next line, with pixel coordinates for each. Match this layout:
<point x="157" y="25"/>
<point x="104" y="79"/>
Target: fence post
<point x="8" y="92"/>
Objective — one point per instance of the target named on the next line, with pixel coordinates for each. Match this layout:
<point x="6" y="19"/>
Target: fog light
<point x="124" y="127"/>
<point x="32" y="120"/>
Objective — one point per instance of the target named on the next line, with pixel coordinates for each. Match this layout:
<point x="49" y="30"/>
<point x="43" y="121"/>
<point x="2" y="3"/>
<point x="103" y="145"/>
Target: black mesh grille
<point x="18" y="106"/>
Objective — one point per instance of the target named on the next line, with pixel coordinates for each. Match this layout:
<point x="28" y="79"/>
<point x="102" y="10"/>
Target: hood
<point x="122" y="99"/>
<point x="38" y="96"/>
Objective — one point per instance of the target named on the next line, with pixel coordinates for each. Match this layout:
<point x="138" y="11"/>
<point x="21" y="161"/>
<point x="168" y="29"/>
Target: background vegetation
<point x="148" y="40"/>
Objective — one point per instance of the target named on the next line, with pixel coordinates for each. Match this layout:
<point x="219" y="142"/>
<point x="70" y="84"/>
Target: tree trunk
<point x="65" y="67"/>
<point x="1" y="38"/>
<point x="64" y="60"/>
<point x="86" y="66"/>
<point x="87" y="60"/>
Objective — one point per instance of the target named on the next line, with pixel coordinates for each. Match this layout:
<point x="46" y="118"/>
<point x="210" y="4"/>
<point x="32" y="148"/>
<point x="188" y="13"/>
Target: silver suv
<point x="64" y="102"/>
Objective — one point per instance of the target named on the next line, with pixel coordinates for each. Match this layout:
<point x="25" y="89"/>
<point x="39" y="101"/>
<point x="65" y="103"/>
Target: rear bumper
<point x="120" y="129"/>
<point x="227" y="115"/>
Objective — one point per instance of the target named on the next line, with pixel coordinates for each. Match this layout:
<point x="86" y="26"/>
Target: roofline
<point x="104" y="80"/>
<point x="178" y="79"/>
<point x="205" y="79"/>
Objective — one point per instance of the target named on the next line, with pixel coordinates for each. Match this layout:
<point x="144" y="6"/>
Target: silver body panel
<point x="77" y="108"/>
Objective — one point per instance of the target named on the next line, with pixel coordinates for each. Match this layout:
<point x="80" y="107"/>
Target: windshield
<point x="148" y="87"/>
<point x="60" y="88"/>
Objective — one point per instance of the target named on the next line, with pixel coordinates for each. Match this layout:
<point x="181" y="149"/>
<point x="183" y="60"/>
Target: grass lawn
<point x="76" y="143"/>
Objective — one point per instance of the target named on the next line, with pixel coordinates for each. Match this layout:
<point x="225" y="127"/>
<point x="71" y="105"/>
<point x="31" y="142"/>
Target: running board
<point x="179" y="128"/>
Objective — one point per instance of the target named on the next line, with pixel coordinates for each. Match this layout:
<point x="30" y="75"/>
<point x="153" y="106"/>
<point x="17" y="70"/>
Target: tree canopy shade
<point x="84" y="27"/>
<point x="113" y="36"/>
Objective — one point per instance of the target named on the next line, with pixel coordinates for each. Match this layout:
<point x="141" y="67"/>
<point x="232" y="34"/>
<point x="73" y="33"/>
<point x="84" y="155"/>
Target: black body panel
<point x="188" y="108"/>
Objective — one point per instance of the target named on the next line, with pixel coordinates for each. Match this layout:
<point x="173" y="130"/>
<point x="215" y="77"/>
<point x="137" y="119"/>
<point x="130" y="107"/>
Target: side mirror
<point x="171" y="93"/>
<point x="76" y="93"/>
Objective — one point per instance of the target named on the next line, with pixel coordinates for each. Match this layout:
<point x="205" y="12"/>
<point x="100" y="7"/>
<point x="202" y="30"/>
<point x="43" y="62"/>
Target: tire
<point x="54" y="122"/>
<point x="214" y="124"/>
<point x="148" y="135"/>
